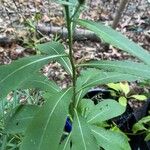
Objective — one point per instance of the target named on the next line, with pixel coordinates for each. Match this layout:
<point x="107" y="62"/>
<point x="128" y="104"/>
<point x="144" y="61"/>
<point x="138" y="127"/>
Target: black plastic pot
<point x="126" y="121"/>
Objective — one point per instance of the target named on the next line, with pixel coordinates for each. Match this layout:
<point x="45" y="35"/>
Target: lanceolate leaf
<point x="116" y="39"/>
<point x="140" y="125"/>
<point x="46" y="129"/>
<point x="110" y="140"/>
<point x="93" y="77"/>
<point x="11" y="75"/>
<point x="56" y="48"/>
<point x="82" y="138"/>
<point x="127" y="67"/>
<point x="41" y="82"/>
<point x="105" y="110"/>
<point x="72" y="8"/>
<point x="18" y="120"/>
<point x="139" y="97"/>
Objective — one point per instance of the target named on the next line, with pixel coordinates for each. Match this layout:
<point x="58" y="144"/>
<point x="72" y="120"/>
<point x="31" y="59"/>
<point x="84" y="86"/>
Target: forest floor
<point x="17" y="17"/>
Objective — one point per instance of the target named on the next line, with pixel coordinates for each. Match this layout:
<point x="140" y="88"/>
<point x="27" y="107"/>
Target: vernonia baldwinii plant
<point x="42" y="127"/>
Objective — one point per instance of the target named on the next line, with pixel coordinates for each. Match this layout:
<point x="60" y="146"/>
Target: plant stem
<point x="134" y="134"/>
<point x="119" y="13"/>
<point x="71" y="57"/>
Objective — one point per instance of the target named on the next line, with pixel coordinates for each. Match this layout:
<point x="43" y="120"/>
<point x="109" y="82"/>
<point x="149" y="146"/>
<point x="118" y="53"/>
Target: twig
<point x="80" y="34"/>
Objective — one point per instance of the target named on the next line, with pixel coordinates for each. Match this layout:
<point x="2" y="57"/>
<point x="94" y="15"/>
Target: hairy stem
<point x="71" y="57"/>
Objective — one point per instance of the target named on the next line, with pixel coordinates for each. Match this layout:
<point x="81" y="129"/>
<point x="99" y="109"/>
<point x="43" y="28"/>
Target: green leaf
<point x="114" y="86"/>
<point x="46" y="129"/>
<point x="19" y="118"/>
<point x="1" y="109"/>
<point x="82" y="138"/>
<point x="80" y="95"/>
<point x="139" y="97"/>
<point x="138" y="127"/>
<point x="147" y="138"/>
<point x="72" y="8"/>
<point x="140" y="124"/>
<point x="125" y="87"/>
<point x="145" y="119"/>
<point x="110" y="140"/>
<point x="13" y="74"/>
<point x="62" y="2"/>
<point x="105" y="110"/>
<point x="56" y="48"/>
<point x="116" y="39"/>
<point x="127" y="67"/>
<point x="123" y="101"/>
<point x="41" y="82"/>
<point x="85" y="107"/>
<point x="88" y="79"/>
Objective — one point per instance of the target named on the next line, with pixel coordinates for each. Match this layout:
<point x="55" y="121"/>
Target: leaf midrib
<point x="47" y="85"/>
<point x="80" y="128"/>
<point x="62" y="60"/>
<point x="101" y="79"/>
<point x="78" y="98"/>
<point x="22" y="67"/>
<point x="113" y="65"/>
<point x="51" y="112"/>
<point x="101" y="112"/>
<point x="100" y="135"/>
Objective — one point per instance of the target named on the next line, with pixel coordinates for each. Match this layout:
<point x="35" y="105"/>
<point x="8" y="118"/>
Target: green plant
<point x="123" y="92"/>
<point x="142" y="126"/>
<point x="43" y="126"/>
<point x="9" y="106"/>
<point x="34" y="36"/>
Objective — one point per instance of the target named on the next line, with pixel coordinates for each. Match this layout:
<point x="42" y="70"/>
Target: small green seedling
<point x="122" y="91"/>
<point x="143" y="126"/>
